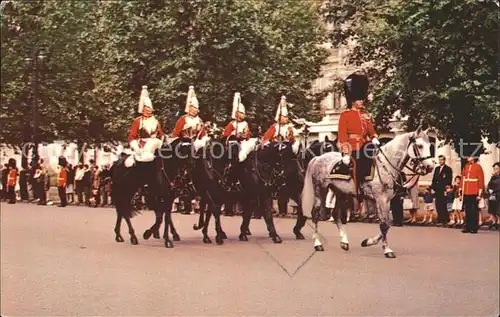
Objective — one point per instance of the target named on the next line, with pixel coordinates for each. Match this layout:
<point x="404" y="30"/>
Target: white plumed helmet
<point x="284" y="110"/>
<point x="237" y="105"/>
<point x="191" y="99"/>
<point x="144" y="100"/>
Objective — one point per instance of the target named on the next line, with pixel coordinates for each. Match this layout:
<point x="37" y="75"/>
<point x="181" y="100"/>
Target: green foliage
<point x="100" y="53"/>
<point x="436" y="60"/>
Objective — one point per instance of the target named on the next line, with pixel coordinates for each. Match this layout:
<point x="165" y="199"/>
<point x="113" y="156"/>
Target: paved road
<point x="65" y="262"/>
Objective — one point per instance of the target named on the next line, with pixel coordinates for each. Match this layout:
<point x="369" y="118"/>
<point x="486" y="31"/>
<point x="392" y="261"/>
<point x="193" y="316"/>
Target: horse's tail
<point x="308" y="196"/>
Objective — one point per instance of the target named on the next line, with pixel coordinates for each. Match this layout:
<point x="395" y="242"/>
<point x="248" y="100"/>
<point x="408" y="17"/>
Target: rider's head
<point x="147" y="111"/>
<point x="240" y="116"/>
<point x="358" y="105"/>
<point x="283" y="119"/>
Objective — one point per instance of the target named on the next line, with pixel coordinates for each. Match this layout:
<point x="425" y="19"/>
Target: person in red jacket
<point x="238" y="127"/>
<point x="472" y="184"/>
<point x="62" y="178"/>
<point x="11" y="181"/>
<point x="282" y="130"/>
<point x="190" y="125"/>
<point x="356" y="127"/>
<point x="146" y="133"/>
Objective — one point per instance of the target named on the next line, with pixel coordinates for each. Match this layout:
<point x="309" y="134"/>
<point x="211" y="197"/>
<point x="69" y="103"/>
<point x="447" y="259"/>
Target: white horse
<point x="411" y="150"/>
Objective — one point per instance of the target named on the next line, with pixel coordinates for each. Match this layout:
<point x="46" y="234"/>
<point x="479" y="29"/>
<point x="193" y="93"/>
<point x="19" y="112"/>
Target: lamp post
<point x="34" y="62"/>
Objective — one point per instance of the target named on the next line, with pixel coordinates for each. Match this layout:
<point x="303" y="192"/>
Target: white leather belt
<point x="471" y="179"/>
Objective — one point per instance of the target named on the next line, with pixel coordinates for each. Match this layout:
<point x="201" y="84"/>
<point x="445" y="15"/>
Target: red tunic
<point x="472" y="179"/>
<point x="62" y="177"/>
<point x="243" y="130"/>
<point x="143" y="128"/>
<point x="188" y="127"/>
<point x="286" y="131"/>
<point x="12" y="178"/>
<point x="355" y="128"/>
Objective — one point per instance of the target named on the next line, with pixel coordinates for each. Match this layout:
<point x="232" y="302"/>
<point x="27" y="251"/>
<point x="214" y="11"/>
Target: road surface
<point x="64" y="261"/>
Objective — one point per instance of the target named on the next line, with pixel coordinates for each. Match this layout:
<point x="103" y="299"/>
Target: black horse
<point x="211" y="177"/>
<point x="263" y="173"/>
<point x="127" y="181"/>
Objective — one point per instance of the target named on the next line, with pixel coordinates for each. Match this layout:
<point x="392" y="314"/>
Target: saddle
<point x="362" y="167"/>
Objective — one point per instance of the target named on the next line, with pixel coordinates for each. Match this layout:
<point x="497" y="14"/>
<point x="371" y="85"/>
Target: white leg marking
<point x="317" y="241"/>
<point x="343" y="234"/>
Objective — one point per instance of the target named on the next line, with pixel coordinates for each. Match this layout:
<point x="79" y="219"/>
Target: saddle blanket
<point x="341" y="171"/>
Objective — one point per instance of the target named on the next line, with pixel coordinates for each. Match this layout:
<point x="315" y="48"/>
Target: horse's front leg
<point x="206" y="223"/>
<point x="131" y="231"/>
<point x="247" y="215"/>
<point x="118" y="236"/>
<point x="155" y="228"/>
<point x="173" y="231"/>
<point x="165" y="206"/>
<point x="268" y="218"/>
<point x="221" y="235"/>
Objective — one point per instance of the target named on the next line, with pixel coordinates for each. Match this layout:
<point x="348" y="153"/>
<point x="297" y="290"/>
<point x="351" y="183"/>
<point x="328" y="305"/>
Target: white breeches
<point x="146" y="153"/>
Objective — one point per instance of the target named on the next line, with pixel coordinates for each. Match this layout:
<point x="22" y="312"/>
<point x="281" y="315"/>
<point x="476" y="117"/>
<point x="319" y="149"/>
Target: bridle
<point x="413" y="162"/>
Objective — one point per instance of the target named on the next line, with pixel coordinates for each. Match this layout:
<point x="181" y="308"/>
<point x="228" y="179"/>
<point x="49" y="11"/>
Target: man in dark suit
<point x="442" y="177"/>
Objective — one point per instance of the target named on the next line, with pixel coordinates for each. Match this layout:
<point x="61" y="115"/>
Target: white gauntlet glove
<point x="134" y="145"/>
<point x="346" y="159"/>
<point x="375" y="141"/>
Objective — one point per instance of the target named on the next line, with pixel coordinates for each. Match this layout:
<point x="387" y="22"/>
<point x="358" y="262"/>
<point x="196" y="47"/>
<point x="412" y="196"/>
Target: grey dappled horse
<point x="411" y="150"/>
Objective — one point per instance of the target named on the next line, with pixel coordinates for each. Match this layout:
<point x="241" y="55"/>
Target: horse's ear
<point x="326" y="138"/>
<point x="426" y="130"/>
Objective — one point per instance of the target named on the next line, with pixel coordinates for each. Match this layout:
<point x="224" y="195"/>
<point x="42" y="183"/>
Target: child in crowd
<point x="449" y="205"/>
<point x="457" y="203"/>
<point x="429" y="207"/>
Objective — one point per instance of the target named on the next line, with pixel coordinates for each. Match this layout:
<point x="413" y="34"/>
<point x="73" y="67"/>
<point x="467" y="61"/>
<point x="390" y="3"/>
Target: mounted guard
<point x="146" y="133"/>
<point x="282" y="130"/>
<point x="356" y="128"/>
<point x="190" y="126"/>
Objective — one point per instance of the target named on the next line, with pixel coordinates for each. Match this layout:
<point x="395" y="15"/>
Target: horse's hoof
<point x="390" y="255"/>
<point x="223" y="235"/>
<point x="364" y="243"/>
<point x="176" y="237"/>
<point x="156" y="234"/>
<point x="219" y="240"/>
<point x="133" y="240"/>
<point x="169" y="244"/>
<point x="147" y="234"/>
<point x="243" y="237"/>
<point x="319" y="248"/>
<point x="344" y="246"/>
<point x="248" y="233"/>
<point x="207" y="240"/>
<point x="299" y="236"/>
<point x="277" y="239"/>
<point x="119" y="239"/>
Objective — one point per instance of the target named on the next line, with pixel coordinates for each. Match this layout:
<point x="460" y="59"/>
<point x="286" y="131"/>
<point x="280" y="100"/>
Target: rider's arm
<point x="269" y="135"/>
<point x="159" y="132"/>
<point x="371" y="130"/>
<point x="343" y="138"/>
<point x="291" y="135"/>
<point x="248" y="133"/>
<point x="179" y="126"/>
<point x="228" y="130"/>
<point x="134" y="130"/>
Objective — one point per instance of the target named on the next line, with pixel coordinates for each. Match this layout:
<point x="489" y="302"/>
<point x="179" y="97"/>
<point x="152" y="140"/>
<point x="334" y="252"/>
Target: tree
<point x="432" y="60"/>
<point x="102" y="52"/>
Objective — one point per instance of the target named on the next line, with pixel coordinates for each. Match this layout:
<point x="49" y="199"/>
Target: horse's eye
<point x="420" y="146"/>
